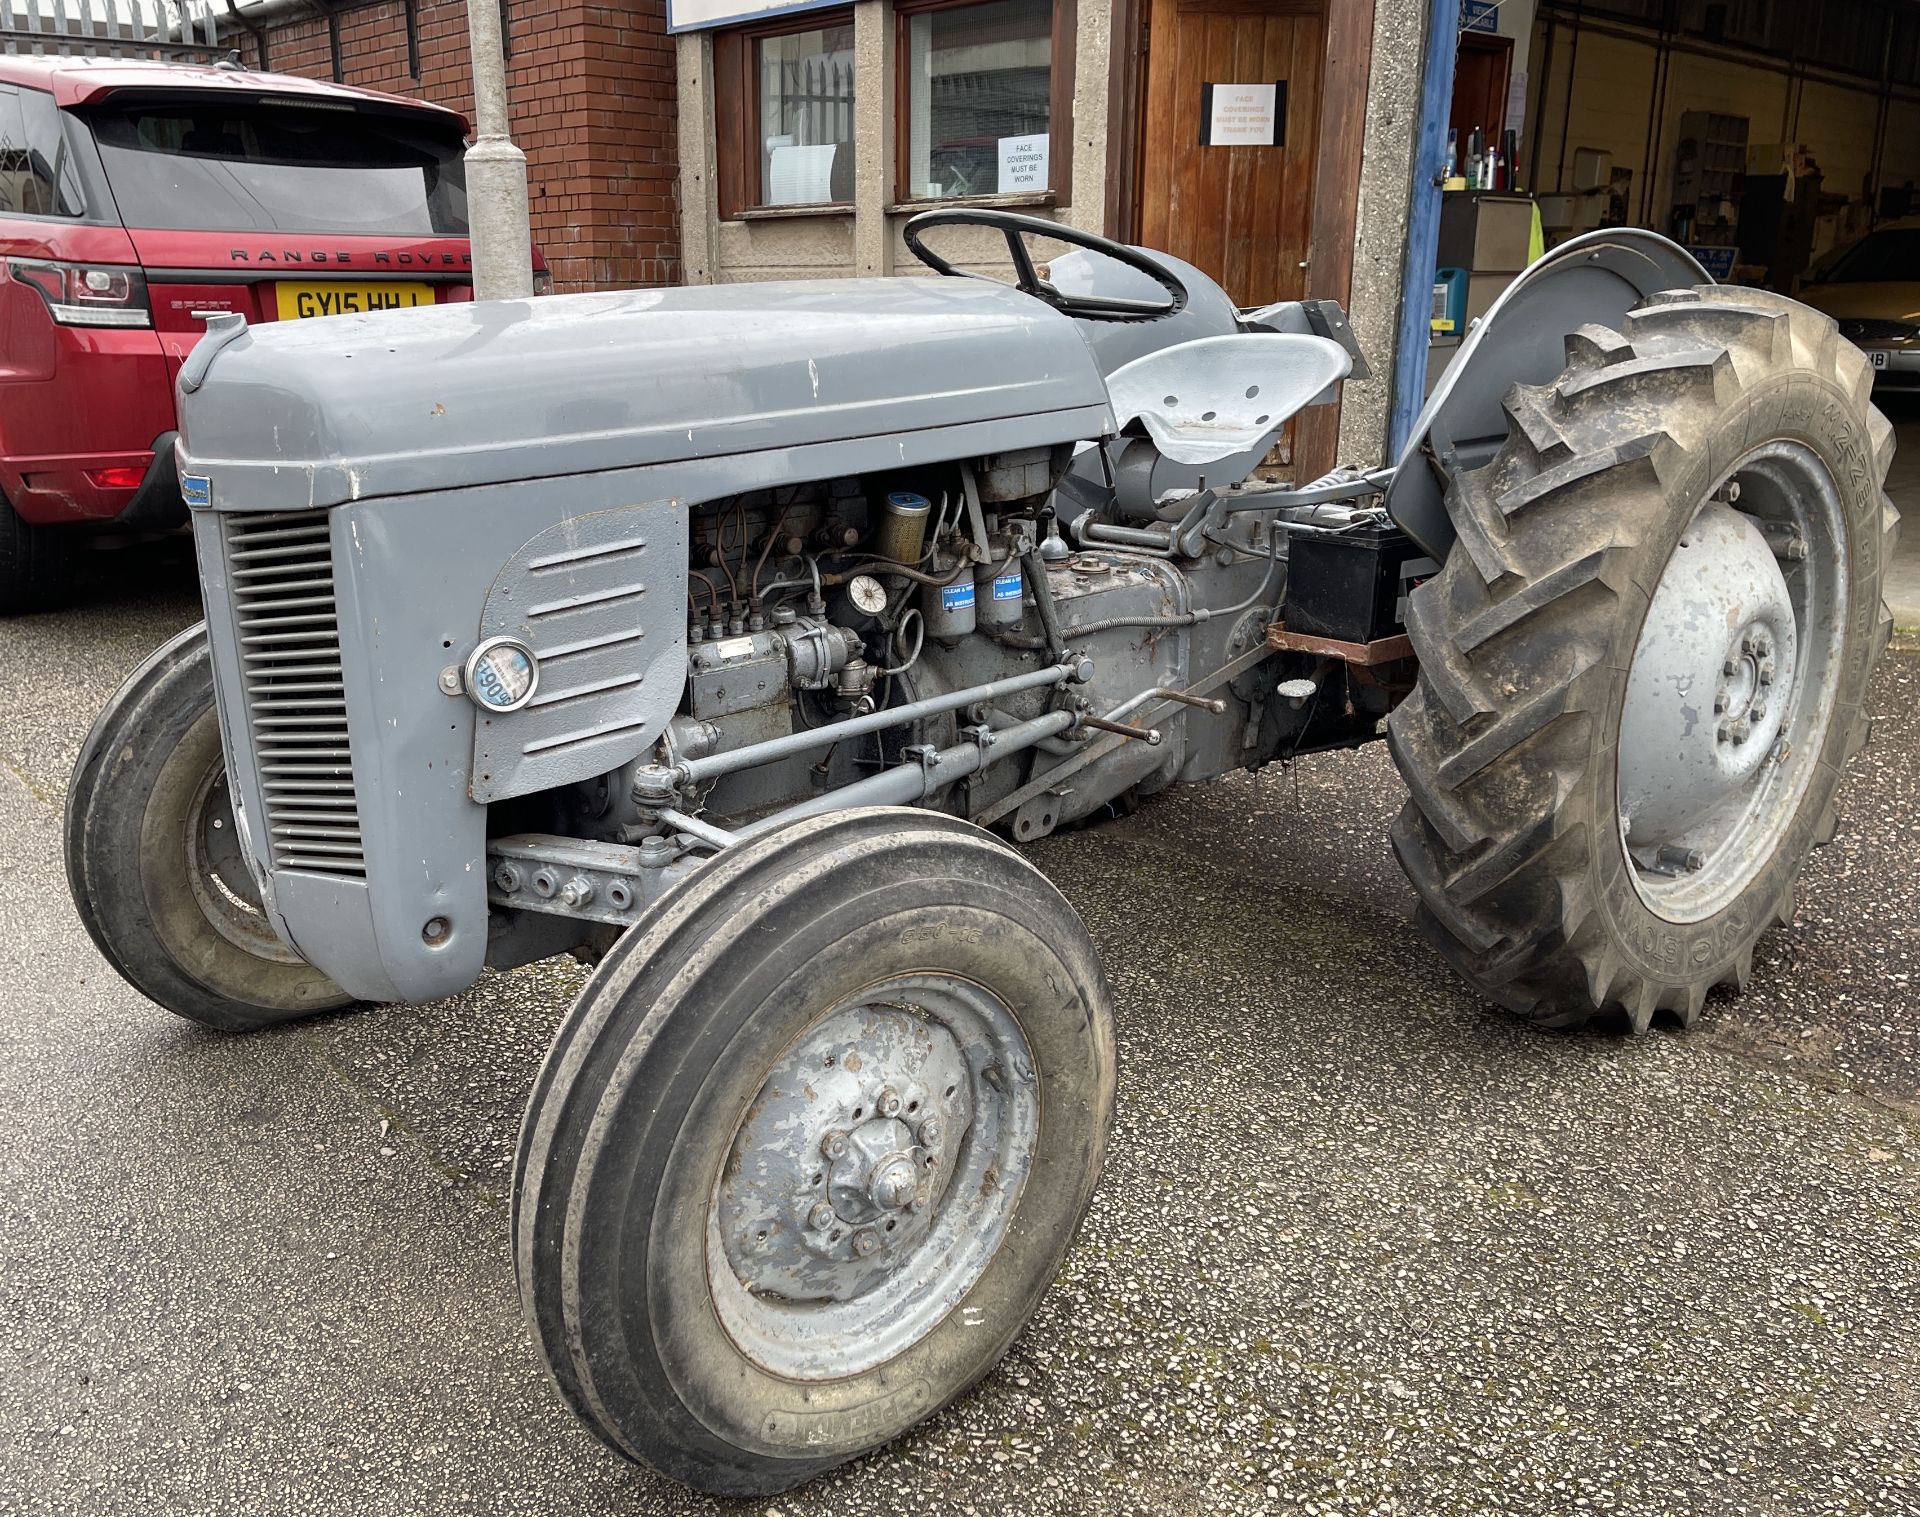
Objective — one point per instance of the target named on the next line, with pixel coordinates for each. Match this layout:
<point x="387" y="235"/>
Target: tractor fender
<point x="1597" y="277"/>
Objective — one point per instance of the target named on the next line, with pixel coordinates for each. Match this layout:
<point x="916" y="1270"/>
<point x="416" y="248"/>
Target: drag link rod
<point x="914" y="780"/>
<point x="1074" y="670"/>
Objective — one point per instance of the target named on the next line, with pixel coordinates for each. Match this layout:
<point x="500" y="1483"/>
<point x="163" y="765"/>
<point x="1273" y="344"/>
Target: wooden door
<point x="1242" y="214"/>
<point x="1481" y="74"/>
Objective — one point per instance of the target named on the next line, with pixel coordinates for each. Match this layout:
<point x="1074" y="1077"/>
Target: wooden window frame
<point x="736" y="113"/>
<point x="1059" y="191"/>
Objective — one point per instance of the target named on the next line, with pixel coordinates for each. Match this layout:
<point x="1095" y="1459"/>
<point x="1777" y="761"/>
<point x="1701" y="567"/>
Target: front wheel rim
<point x="218" y="876"/>
<point x="872" y="1179"/>
<point x="1730" y="694"/>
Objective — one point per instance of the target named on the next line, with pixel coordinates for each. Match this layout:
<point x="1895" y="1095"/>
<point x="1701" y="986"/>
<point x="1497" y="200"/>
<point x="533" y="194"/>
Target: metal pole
<point x="502" y="237"/>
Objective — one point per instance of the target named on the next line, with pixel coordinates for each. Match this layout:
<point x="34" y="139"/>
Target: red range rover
<point x="137" y="197"/>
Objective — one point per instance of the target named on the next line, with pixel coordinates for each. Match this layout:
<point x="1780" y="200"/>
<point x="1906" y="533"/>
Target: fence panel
<point x="181" y="29"/>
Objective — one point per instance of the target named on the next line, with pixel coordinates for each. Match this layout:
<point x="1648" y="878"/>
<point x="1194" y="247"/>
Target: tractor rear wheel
<point x="1644" y="665"/>
<point x="811" y="1146"/>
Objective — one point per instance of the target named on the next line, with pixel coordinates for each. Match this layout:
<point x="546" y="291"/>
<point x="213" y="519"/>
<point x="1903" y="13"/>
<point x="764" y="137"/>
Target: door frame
<point x="1336" y="169"/>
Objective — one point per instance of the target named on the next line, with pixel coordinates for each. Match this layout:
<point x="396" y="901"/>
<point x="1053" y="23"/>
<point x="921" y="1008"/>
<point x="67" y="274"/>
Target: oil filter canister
<point x="949" y="607"/>
<point x="997" y="588"/>
<point x="903" y="527"/>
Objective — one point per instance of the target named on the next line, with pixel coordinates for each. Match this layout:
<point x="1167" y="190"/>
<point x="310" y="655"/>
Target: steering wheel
<point x="1016" y="228"/>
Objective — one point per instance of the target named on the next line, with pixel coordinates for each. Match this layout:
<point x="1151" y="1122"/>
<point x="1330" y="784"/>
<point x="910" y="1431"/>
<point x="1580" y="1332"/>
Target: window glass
<point x="36" y="174"/>
<point x="262" y="167"/>
<point x="806" y="116"/>
<point x="1882" y="257"/>
<point x="979" y="81"/>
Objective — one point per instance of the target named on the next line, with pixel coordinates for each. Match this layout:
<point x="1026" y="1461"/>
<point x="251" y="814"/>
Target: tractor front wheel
<point x="1644" y="665"/>
<point x="154" y="859"/>
<point x="811" y="1146"/>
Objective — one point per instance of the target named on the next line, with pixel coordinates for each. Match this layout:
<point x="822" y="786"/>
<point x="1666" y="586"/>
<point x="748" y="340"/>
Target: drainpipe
<point x="1423" y="222"/>
<point x="501" y="233"/>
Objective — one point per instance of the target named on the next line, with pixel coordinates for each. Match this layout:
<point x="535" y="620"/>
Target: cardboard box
<point x="1485" y="232"/>
<point x="1482" y="291"/>
<point x="1573" y="213"/>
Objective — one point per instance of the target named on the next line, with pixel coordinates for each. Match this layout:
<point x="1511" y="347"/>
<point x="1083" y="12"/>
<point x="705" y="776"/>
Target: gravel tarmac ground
<point x="1364" y="1245"/>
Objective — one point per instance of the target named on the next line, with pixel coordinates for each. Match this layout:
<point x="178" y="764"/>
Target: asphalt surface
<point x="1363" y="1245"/>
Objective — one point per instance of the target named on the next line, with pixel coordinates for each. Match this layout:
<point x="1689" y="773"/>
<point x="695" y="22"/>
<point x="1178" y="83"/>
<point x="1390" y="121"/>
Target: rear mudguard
<point x="1597" y="277"/>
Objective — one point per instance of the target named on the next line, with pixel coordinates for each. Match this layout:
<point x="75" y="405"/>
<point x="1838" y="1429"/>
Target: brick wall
<point x="591" y="86"/>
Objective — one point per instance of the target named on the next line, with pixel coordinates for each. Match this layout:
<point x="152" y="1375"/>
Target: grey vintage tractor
<point x="727" y="637"/>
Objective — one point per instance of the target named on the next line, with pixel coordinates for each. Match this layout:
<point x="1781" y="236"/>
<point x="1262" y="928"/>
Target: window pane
<point x="1884" y="257"/>
<point x="980" y="77"/>
<point x="249" y="167"/>
<point x="806" y="116"/>
<point x="36" y="173"/>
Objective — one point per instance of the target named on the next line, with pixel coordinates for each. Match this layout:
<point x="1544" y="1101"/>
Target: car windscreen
<point x="1884" y="257"/>
<point x="266" y="166"/>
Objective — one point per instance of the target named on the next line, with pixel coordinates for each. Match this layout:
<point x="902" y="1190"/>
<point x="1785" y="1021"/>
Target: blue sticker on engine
<point x="1007" y="587"/>
<point x="956" y="597"/>
<point x="196" y="490"/>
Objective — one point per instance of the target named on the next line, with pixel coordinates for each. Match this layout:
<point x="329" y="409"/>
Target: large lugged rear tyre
<point x="811" y="1146"/>
<point x="153" y="861"/>
<point x="1644" y="665"/>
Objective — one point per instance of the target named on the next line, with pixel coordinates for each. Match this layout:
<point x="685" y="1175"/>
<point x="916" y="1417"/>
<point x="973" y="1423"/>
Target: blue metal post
<point x="1423" y="221"/>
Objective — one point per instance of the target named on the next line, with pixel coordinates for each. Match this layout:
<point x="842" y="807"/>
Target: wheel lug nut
<point x="1720" y="705"/>
<point x="1740" y="731"/>
<point x="930" y="1130"/>
<point x="834" y="1145"/>
<point x="1731" y="666"/>
<point x="1765" y="676"/>
<point x="821" y="1217"/>
<point x="865" y="1242"/>
<point x="887" y="1103"/>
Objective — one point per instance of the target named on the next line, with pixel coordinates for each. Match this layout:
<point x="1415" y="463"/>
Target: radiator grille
<point x="280" y="571"/>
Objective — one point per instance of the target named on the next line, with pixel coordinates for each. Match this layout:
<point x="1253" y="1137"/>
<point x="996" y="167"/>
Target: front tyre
<point x="154" y="860"/>
<point x="1645" y="663"/>
<point x="811" y="1146"/>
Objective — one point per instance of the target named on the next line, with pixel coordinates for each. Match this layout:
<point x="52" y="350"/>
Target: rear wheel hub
<point x="1730" y="690"/>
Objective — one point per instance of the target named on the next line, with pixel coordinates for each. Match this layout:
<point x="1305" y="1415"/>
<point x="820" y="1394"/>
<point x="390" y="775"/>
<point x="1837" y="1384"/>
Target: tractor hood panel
<point x="319" y="412"/>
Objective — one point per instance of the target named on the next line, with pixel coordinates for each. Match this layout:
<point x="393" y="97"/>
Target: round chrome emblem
<point x="502" y="674"/>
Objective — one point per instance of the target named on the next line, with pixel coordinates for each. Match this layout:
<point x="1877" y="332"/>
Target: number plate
<point x="330" y="299"/>
<point x="1878" y="356"/>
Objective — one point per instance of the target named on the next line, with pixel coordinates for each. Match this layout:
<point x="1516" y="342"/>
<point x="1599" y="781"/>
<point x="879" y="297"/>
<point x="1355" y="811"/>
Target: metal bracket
<point x="1386" y="650"/>
<point x="569" y="877"/>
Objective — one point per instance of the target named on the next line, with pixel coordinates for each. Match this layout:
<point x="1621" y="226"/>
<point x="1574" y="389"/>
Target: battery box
<point x="1352" y="585"/>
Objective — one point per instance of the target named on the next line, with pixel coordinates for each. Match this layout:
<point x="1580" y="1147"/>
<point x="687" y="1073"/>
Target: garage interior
<point x="1772" y="138"/>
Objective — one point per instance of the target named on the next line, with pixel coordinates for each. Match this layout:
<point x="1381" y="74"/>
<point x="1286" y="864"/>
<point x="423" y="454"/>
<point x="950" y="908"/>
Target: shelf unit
<point x="1710" y="166"/>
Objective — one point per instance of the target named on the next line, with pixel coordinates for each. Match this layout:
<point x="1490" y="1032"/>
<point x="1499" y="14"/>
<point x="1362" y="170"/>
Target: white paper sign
<point x="1517" y="103"/>
<point x="800" y="175"/>
<point x="1242" y="115"/>
<point x="1023" y="164"/>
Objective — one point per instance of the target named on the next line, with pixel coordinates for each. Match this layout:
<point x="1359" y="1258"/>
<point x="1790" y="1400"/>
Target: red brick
<point x="592" y="95"/>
